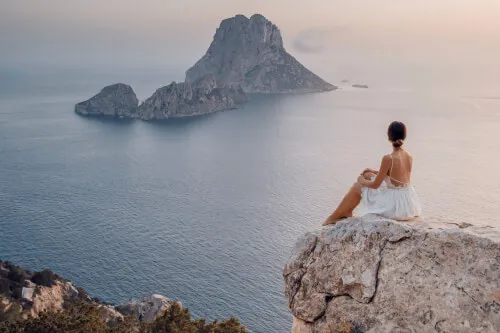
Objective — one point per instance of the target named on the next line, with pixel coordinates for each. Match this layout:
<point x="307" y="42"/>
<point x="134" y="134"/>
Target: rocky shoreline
<point x="377" y="275"/>
<point x="32" y="293"/>
<point x="30" y="299"/>
<point x="246" y="56"/>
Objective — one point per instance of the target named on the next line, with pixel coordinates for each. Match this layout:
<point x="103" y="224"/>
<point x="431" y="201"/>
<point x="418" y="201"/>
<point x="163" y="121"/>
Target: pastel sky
<point x="100" y="32"/>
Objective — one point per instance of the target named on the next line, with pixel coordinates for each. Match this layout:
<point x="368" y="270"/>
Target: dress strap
<point x="390" y="171"/>
<point x="392" y="164"/>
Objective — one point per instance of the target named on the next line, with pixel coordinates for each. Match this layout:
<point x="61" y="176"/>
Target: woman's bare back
<point x="400" y="172"/>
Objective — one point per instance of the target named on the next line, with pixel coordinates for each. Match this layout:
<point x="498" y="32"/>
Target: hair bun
<point x="397" y="143"/>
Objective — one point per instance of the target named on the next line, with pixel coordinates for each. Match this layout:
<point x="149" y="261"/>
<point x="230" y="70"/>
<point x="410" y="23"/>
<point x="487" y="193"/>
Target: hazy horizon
<point x="457" y="39"/>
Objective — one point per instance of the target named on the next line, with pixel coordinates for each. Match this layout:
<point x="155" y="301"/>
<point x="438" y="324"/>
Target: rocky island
<point x="117" y="100"/>
<point x="376" y="275"/>
<point x="246" y="56"/>
<point x="249" y="52"/>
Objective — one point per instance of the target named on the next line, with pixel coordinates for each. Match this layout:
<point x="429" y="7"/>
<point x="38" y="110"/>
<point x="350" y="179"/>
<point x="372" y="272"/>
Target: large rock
<point x="146" y="309"/>
<point x="114" y="100"/>
<point x="191" y="98"/>
<point x="250" y="52"/>
<point x="376" y="275"/>
<point x="53" y="298"/>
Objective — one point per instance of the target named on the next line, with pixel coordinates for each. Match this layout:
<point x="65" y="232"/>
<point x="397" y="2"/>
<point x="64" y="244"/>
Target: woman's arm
<point x="385" y="165"/>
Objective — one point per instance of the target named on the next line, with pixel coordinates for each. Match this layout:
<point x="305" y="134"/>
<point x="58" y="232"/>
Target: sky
<point x="121" y="33"/>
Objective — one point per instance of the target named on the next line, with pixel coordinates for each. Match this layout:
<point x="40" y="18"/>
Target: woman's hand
<point x="369" y="170"/>
<point x="362" y="180"/>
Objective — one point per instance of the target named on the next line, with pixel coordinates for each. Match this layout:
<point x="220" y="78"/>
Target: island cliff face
<point x="117" y="100"/>
<point x="250" y="52"/>
<point x="190" y="99"/>
<point x="376" y="275"/>
<point x="246" y="56"/>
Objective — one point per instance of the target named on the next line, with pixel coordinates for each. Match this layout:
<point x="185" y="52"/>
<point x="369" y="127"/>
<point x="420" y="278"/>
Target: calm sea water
<point x="205" y="209"/>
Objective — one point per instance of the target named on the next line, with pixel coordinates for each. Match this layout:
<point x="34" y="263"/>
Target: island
<point x="246" y="56"/>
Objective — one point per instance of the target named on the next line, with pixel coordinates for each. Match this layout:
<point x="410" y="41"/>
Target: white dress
<point x="391" y="201"/>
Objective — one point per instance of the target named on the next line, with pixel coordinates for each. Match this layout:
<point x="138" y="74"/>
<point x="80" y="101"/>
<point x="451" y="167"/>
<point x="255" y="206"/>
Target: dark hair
<point x="396" y="133"/>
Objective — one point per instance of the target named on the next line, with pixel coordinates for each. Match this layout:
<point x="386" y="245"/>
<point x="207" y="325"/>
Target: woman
<point x="386" y="192"/>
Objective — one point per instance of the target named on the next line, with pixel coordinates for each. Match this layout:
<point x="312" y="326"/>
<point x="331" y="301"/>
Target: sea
<point x="206" y="209"/>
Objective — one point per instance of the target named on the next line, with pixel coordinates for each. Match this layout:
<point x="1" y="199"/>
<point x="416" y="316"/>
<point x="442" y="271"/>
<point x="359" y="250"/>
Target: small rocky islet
<point x="246" y="56"/>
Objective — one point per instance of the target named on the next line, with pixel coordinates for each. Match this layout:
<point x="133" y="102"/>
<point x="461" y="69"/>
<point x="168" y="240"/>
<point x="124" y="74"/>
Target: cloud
<point x="316" y="40"/>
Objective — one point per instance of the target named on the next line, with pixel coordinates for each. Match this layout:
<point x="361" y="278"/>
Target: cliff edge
<point x="376" y="275"/>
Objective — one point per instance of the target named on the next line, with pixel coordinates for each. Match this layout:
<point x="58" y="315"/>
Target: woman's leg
<point x="347" y="205"/>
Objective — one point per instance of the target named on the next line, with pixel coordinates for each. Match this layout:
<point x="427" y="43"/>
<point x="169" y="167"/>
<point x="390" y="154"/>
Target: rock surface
<point x="146" y="309"/>
<point x="385" y="276"/>
<point x="117" y="100"/>
<point x="189" y="99"/>
<point x="250" y="52"/>
<point x="53" y="298"/>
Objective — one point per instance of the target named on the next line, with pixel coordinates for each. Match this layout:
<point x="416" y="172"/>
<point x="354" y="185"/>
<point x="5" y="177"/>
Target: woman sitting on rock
<point x="386" y="192"/>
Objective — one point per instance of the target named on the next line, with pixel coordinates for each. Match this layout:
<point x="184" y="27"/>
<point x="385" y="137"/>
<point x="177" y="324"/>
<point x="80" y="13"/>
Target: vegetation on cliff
<point x="86" y="317"/>
<point x="74" y="311"/>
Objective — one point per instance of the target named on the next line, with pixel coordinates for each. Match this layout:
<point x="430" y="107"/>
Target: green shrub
<point x="4" y="286"/>
<point x="84" y="317"/>
<point x="17" y="274"/>
<point x="12" y="280"/>
<point x="178" y="320"/>
<point x="45" y="278"/>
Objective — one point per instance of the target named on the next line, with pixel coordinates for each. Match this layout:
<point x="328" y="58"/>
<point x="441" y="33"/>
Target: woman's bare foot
<point x="332" y="221"/>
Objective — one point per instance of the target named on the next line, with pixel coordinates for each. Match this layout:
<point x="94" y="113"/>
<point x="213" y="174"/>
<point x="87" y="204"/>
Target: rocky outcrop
<point x="117" y="100"/>
<point x="376" y="275"/>
<point x="189" y="99"/>
<point x="32" y="293"/>
<point x="147" y="309"/>
<point x="250" y="52"/>
<point x="53" y="298"/>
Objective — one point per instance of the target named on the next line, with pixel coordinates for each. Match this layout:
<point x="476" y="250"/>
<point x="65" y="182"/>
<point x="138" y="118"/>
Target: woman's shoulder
<point x="410" y="156"/>
<point x="387" y="158"/>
